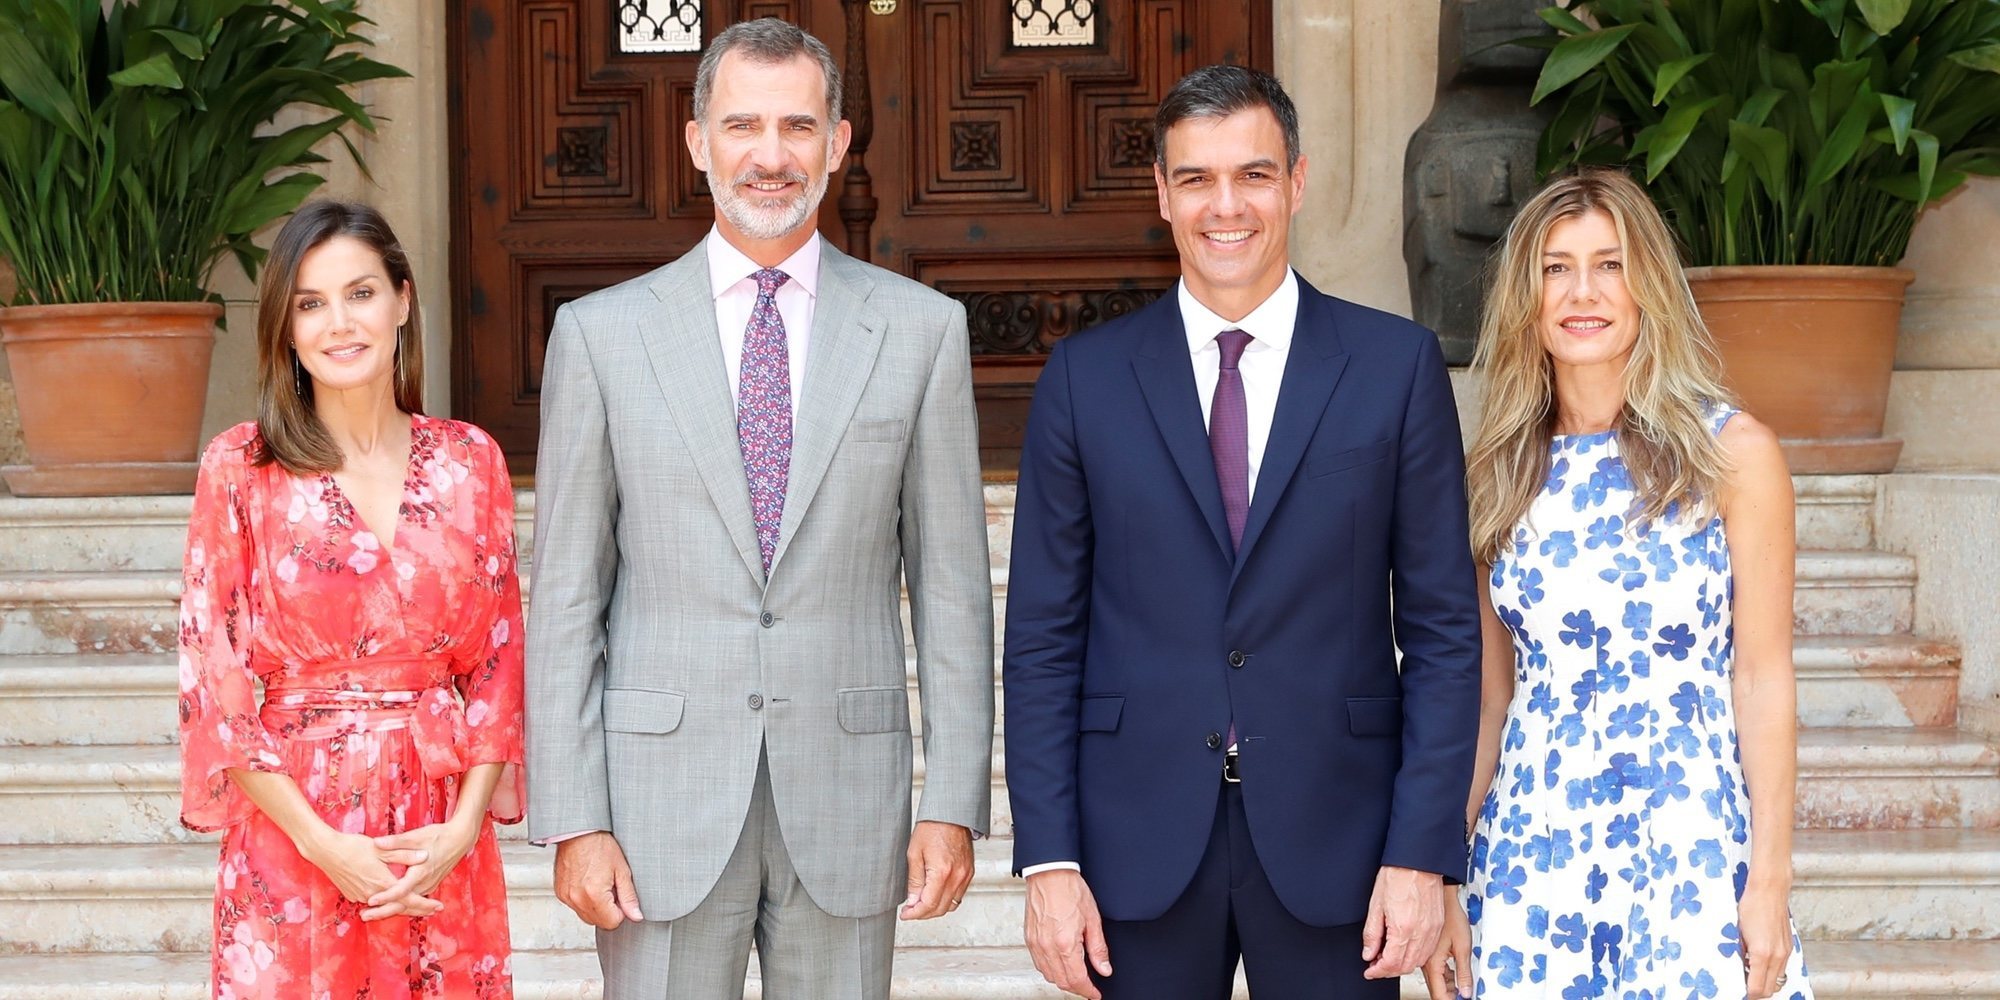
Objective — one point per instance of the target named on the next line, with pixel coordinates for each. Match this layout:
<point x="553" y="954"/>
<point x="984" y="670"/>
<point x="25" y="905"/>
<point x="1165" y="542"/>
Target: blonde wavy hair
<point x="1672" y="377"/>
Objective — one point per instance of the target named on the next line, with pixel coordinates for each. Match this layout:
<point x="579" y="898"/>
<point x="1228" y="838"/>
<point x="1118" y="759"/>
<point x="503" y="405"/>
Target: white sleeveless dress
<point x="1612" y="847"/>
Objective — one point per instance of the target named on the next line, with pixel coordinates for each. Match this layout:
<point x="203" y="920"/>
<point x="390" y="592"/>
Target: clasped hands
<point x="594" y="880"/>
<point x="1064" y="929"/>
<point x="392" y="875"/>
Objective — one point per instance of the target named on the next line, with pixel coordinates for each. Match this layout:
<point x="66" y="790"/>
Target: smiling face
<point x="345" y="313"/>
<point x="1230" y="198"/>
<point x="1588" y="316"/>
<point x="768" y="149"/>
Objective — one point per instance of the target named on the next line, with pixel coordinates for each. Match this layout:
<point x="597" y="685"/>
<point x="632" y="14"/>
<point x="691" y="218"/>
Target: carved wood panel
<point x="1015" y="177"/>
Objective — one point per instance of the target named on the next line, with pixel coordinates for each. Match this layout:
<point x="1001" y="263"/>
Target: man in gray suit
<point x="745" y="456"/>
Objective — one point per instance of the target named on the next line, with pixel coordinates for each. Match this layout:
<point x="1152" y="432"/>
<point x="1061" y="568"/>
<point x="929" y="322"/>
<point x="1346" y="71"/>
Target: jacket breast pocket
<point x="1100" y="714"/>
<point x="874" y="710"/>
<point x="1375" y="716"/>
<point x="640" y="710"/>
<point x="875" y="431"/>
<point x="1326" y="464"/>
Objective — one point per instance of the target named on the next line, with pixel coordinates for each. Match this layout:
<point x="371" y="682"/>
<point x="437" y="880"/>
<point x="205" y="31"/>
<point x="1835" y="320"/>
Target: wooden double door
<point x="1003" y="155"/>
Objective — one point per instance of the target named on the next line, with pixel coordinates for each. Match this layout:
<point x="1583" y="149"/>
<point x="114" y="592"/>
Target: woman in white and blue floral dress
<point x="1632" y="809"/>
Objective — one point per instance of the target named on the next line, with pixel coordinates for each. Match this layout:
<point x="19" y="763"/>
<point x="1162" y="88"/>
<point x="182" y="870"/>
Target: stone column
<point x="1363" y="73"/>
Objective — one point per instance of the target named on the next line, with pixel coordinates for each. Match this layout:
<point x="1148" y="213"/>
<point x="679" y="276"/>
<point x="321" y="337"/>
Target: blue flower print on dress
<point x="1560" y="547"/>
<point x="1626" y="571"/>
<point x="1607" y="532"/>
<point x="1638" y="618"/>
<point x="1611" y="849"/>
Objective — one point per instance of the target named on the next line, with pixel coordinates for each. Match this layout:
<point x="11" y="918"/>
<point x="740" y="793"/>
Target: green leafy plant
<point x="137" y="138"/>
<point x="1779" y="131"/>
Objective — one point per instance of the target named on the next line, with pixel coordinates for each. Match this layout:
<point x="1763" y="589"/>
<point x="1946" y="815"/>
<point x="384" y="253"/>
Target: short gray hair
<point x="1220" y="91"/>
<point x="767" y="40"/>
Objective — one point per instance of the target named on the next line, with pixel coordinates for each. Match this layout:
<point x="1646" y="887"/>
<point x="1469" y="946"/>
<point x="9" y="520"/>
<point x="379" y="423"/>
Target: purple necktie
<point x="1229" y="442"/>
<point x="1229" y="434"/>
<point x="764" y="411"/>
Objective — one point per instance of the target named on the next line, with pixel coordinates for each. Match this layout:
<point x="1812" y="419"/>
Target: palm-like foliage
<point x="136" y="138"/>
<point x="1779" y="131"/>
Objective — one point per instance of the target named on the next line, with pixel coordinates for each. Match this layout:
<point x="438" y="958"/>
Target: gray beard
<point x="766" y="222"/>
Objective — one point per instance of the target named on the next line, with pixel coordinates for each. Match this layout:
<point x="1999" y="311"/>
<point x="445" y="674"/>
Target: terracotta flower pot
<point x="1809" y="351"/>
<point x="111" y="395"/>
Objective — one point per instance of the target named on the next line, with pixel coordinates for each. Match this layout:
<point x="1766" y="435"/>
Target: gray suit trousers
<point x="803" y="953"/>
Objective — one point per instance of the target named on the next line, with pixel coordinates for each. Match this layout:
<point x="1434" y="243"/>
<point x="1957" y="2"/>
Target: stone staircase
<point x="103" y="895"/>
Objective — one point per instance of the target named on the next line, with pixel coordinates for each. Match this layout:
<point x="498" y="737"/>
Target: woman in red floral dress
<point x="357" y="558"/>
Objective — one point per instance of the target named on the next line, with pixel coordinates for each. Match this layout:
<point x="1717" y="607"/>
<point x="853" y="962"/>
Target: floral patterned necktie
<point x="764" y="411"/>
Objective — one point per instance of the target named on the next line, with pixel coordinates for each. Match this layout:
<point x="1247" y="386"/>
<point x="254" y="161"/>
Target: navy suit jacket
<point x="1126" y="608"/>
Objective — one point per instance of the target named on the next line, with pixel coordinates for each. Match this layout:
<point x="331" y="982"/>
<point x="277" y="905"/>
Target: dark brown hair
<point x="291" y="432"/>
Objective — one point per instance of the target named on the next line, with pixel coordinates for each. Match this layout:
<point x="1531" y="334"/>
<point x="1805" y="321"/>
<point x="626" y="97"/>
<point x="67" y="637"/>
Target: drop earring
<point x="400" y="377"/>
<point x="298" y="375"/>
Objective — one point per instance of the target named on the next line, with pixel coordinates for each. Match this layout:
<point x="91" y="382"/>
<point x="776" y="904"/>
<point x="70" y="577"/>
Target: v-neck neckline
<point x="403" y="491"/>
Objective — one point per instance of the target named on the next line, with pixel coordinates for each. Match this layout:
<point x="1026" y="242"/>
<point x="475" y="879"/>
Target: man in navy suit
<point x="1236" y="506"/>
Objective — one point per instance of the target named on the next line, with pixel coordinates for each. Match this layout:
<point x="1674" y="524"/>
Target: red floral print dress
<point x="387" y="672"/>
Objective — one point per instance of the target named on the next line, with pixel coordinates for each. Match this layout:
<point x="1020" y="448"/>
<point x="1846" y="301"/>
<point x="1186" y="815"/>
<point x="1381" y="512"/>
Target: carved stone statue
<point x="1471" y="163"/>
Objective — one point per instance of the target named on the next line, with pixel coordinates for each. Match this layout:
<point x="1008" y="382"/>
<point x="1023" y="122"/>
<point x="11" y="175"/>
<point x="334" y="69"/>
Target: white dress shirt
<point x="1262" y="365"/>
<point x="732" y="277"/>
<point x="1263" y="370"/>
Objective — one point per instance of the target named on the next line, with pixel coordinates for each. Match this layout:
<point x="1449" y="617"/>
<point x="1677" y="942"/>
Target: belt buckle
<point x="1229" y="774"/>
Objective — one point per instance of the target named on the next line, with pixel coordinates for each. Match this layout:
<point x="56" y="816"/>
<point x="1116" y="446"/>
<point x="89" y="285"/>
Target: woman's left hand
<point x="443" y="844"/>
<point x="1764" y="929"/>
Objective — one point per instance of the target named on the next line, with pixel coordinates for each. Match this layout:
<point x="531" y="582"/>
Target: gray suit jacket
<point x="660" y="661"/>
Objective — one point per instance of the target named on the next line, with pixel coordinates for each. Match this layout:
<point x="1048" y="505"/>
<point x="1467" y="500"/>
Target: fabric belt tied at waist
<point x="433" y="716"/>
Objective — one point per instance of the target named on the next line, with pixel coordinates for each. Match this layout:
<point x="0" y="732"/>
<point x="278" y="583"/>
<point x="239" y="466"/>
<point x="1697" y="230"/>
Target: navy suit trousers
<point x="1229" y="912"/>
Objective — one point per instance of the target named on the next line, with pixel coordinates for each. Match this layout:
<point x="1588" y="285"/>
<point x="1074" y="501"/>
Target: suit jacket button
<point x="767" y="619"/>
<point x="756" y="702"/>
<point x="1214" y="741"/>
<point x="1236" y="658"/>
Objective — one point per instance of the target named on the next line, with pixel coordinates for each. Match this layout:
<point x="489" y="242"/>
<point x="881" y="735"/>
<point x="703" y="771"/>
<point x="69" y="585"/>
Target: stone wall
<point x="1951" y="523"/>
<point x="1945" y="400"/>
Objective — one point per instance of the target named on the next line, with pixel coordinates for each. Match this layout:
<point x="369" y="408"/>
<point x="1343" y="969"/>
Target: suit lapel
<point x="846" y="337"/>
<point x="686" y="355"/>
<point x="1312" y="369"/>
<point x="1166" y="377"/>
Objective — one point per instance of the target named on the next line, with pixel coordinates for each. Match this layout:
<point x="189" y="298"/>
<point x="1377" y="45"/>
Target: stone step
<point x="130" y="794"/>
<point x="1868" y="680"/>
<point x="1916" y="970"/>
<point x="1854" y="592"/>
<point x="1839" y="592"/>
<point x="1835" y="512"/>
<point x="55" y="698"/>
<point x="1878" y="778"/>
<point x="70" y="698"/>
<point x="1924" y="885"/>
<point x="88" y="698"/>
<point x="1858" y="778"/>
<point x="74" y="534"/>
<point x="158" y="897"/>
<point x="89" y="612"/>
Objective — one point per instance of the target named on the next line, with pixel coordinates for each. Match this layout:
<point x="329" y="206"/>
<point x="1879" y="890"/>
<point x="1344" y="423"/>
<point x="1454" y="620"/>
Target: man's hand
<point x="1405" y="916"/>
<point x="593" y="879"/>
<point x="1063" y="927"/>
<point x="940" y="869"/>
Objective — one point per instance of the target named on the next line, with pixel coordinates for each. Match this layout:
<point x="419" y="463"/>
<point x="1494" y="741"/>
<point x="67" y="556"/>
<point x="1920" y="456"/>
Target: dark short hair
<point x="1220" y="91"/>
<point x="768" y="41"/>
<point x="290" y="429"/>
